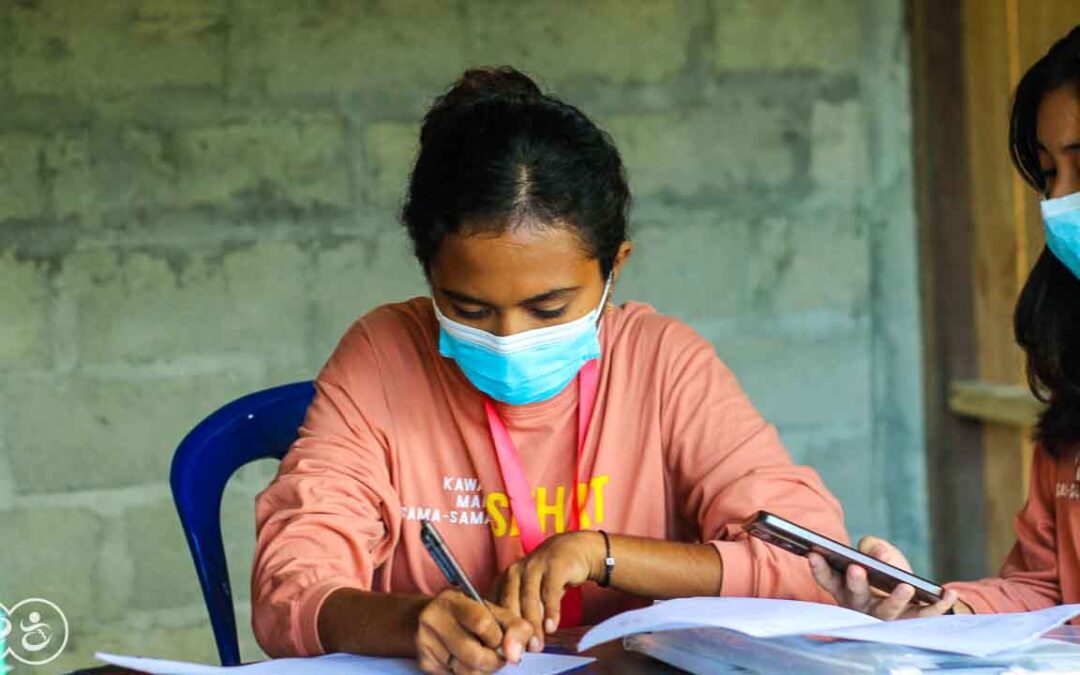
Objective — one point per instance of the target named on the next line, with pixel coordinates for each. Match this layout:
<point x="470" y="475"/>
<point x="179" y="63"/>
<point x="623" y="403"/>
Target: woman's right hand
<point x="852" y="590"/>
<point x="458" y="635"/>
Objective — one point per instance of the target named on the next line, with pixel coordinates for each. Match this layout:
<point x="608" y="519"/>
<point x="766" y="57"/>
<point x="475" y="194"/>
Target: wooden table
<point x="610" y="658"/>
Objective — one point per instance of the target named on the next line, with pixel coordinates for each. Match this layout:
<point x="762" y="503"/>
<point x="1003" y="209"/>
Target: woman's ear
<point x="625" y="249"/>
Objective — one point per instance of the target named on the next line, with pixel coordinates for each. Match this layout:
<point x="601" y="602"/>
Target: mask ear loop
<point x="603" y="300"/>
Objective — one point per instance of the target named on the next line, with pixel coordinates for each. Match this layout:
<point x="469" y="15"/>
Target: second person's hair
<point x="1047" y="317"/>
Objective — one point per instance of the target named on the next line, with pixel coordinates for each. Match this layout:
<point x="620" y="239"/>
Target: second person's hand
<point x="851" y="589"/>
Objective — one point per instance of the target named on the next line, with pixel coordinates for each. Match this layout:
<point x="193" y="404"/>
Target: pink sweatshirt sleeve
<point x="727" y="463"/>
<point x="330" y="517"/>
<point x="1029" y="576"/>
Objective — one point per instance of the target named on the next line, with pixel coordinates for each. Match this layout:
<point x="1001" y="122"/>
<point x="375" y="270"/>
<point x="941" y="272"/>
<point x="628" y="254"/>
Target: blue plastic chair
<point x="257" y="426"/>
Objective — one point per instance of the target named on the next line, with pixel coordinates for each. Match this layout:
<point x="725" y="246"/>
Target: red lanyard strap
<point x="522" y="502"/>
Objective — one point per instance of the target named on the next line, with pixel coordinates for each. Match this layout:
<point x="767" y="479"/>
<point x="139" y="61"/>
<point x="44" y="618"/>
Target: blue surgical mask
<point x="1061" y="221"/>
<point x="526" y="367"/>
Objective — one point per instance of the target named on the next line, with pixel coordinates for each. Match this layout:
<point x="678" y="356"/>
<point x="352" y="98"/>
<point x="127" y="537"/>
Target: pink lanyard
<point x="522" y="503"/>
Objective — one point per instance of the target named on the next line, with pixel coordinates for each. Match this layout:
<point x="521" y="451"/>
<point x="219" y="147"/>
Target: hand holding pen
<point x="458" y="631"/>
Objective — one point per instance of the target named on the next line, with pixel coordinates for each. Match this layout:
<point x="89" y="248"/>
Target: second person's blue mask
<point x="526" y="367"/>
<point x="1061" y="222"/>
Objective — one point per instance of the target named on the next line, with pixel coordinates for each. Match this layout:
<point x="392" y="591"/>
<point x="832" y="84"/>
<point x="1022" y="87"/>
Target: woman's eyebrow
<point x="1068" y="147"/>
<point x="553" y="294"/>
<point x="461" y="297"/>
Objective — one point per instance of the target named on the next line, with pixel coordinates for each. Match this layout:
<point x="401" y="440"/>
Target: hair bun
<point x="477" y="84"/>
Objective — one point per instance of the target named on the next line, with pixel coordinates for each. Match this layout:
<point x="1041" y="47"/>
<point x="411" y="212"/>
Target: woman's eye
<point x="471" y="314"/>
<point x="548" y="313"/>
<point x="1048" y="176"/>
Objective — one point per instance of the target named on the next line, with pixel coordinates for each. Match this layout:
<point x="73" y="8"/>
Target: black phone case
<point x="772" y="529"/>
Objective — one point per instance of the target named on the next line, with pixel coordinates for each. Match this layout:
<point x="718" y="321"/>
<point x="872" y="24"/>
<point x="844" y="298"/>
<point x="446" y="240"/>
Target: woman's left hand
<point x="533" y="587"/>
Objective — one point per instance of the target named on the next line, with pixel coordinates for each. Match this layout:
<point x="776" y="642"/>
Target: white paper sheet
<point x="759" y="617"/>
<point x="334" y="664"/>
<point x="974" y="635"/>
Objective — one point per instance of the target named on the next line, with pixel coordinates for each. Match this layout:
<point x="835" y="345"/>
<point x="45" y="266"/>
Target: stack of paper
<point x="718" y="650"/>
<point x="973" y="635"/>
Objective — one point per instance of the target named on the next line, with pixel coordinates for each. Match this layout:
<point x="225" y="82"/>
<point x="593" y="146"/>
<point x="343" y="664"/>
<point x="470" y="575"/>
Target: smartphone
<point x="801" y="541"/>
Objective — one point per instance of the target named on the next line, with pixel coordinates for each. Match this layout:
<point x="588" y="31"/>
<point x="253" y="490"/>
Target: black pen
<point x="446" y="562"/>
<point x="451" y="569"/>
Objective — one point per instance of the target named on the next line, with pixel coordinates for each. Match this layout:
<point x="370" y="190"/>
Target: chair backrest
<point x="257" y="426"/>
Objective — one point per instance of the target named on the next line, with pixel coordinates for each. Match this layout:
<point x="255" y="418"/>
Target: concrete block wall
<point x="198" y="196"/>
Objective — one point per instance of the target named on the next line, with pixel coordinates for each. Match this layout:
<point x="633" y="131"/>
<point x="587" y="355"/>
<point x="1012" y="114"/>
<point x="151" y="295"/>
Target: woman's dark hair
<point x="495" y="151"/>
<point x="1047" y="318"/>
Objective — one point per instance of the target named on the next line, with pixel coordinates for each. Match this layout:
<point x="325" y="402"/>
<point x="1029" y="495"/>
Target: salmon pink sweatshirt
<point x="1043" y="568"/>
<point x="396" y="434"/>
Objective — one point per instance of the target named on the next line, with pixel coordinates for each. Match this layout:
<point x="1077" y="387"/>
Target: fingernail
<point x="513" y="652"/>
<point x="550" y="625"/>
<point x="534" y="644"/>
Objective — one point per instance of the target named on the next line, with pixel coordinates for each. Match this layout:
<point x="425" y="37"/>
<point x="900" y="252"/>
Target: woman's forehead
<point x="1059" y="117"/>
<point x="514" y="263"/>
